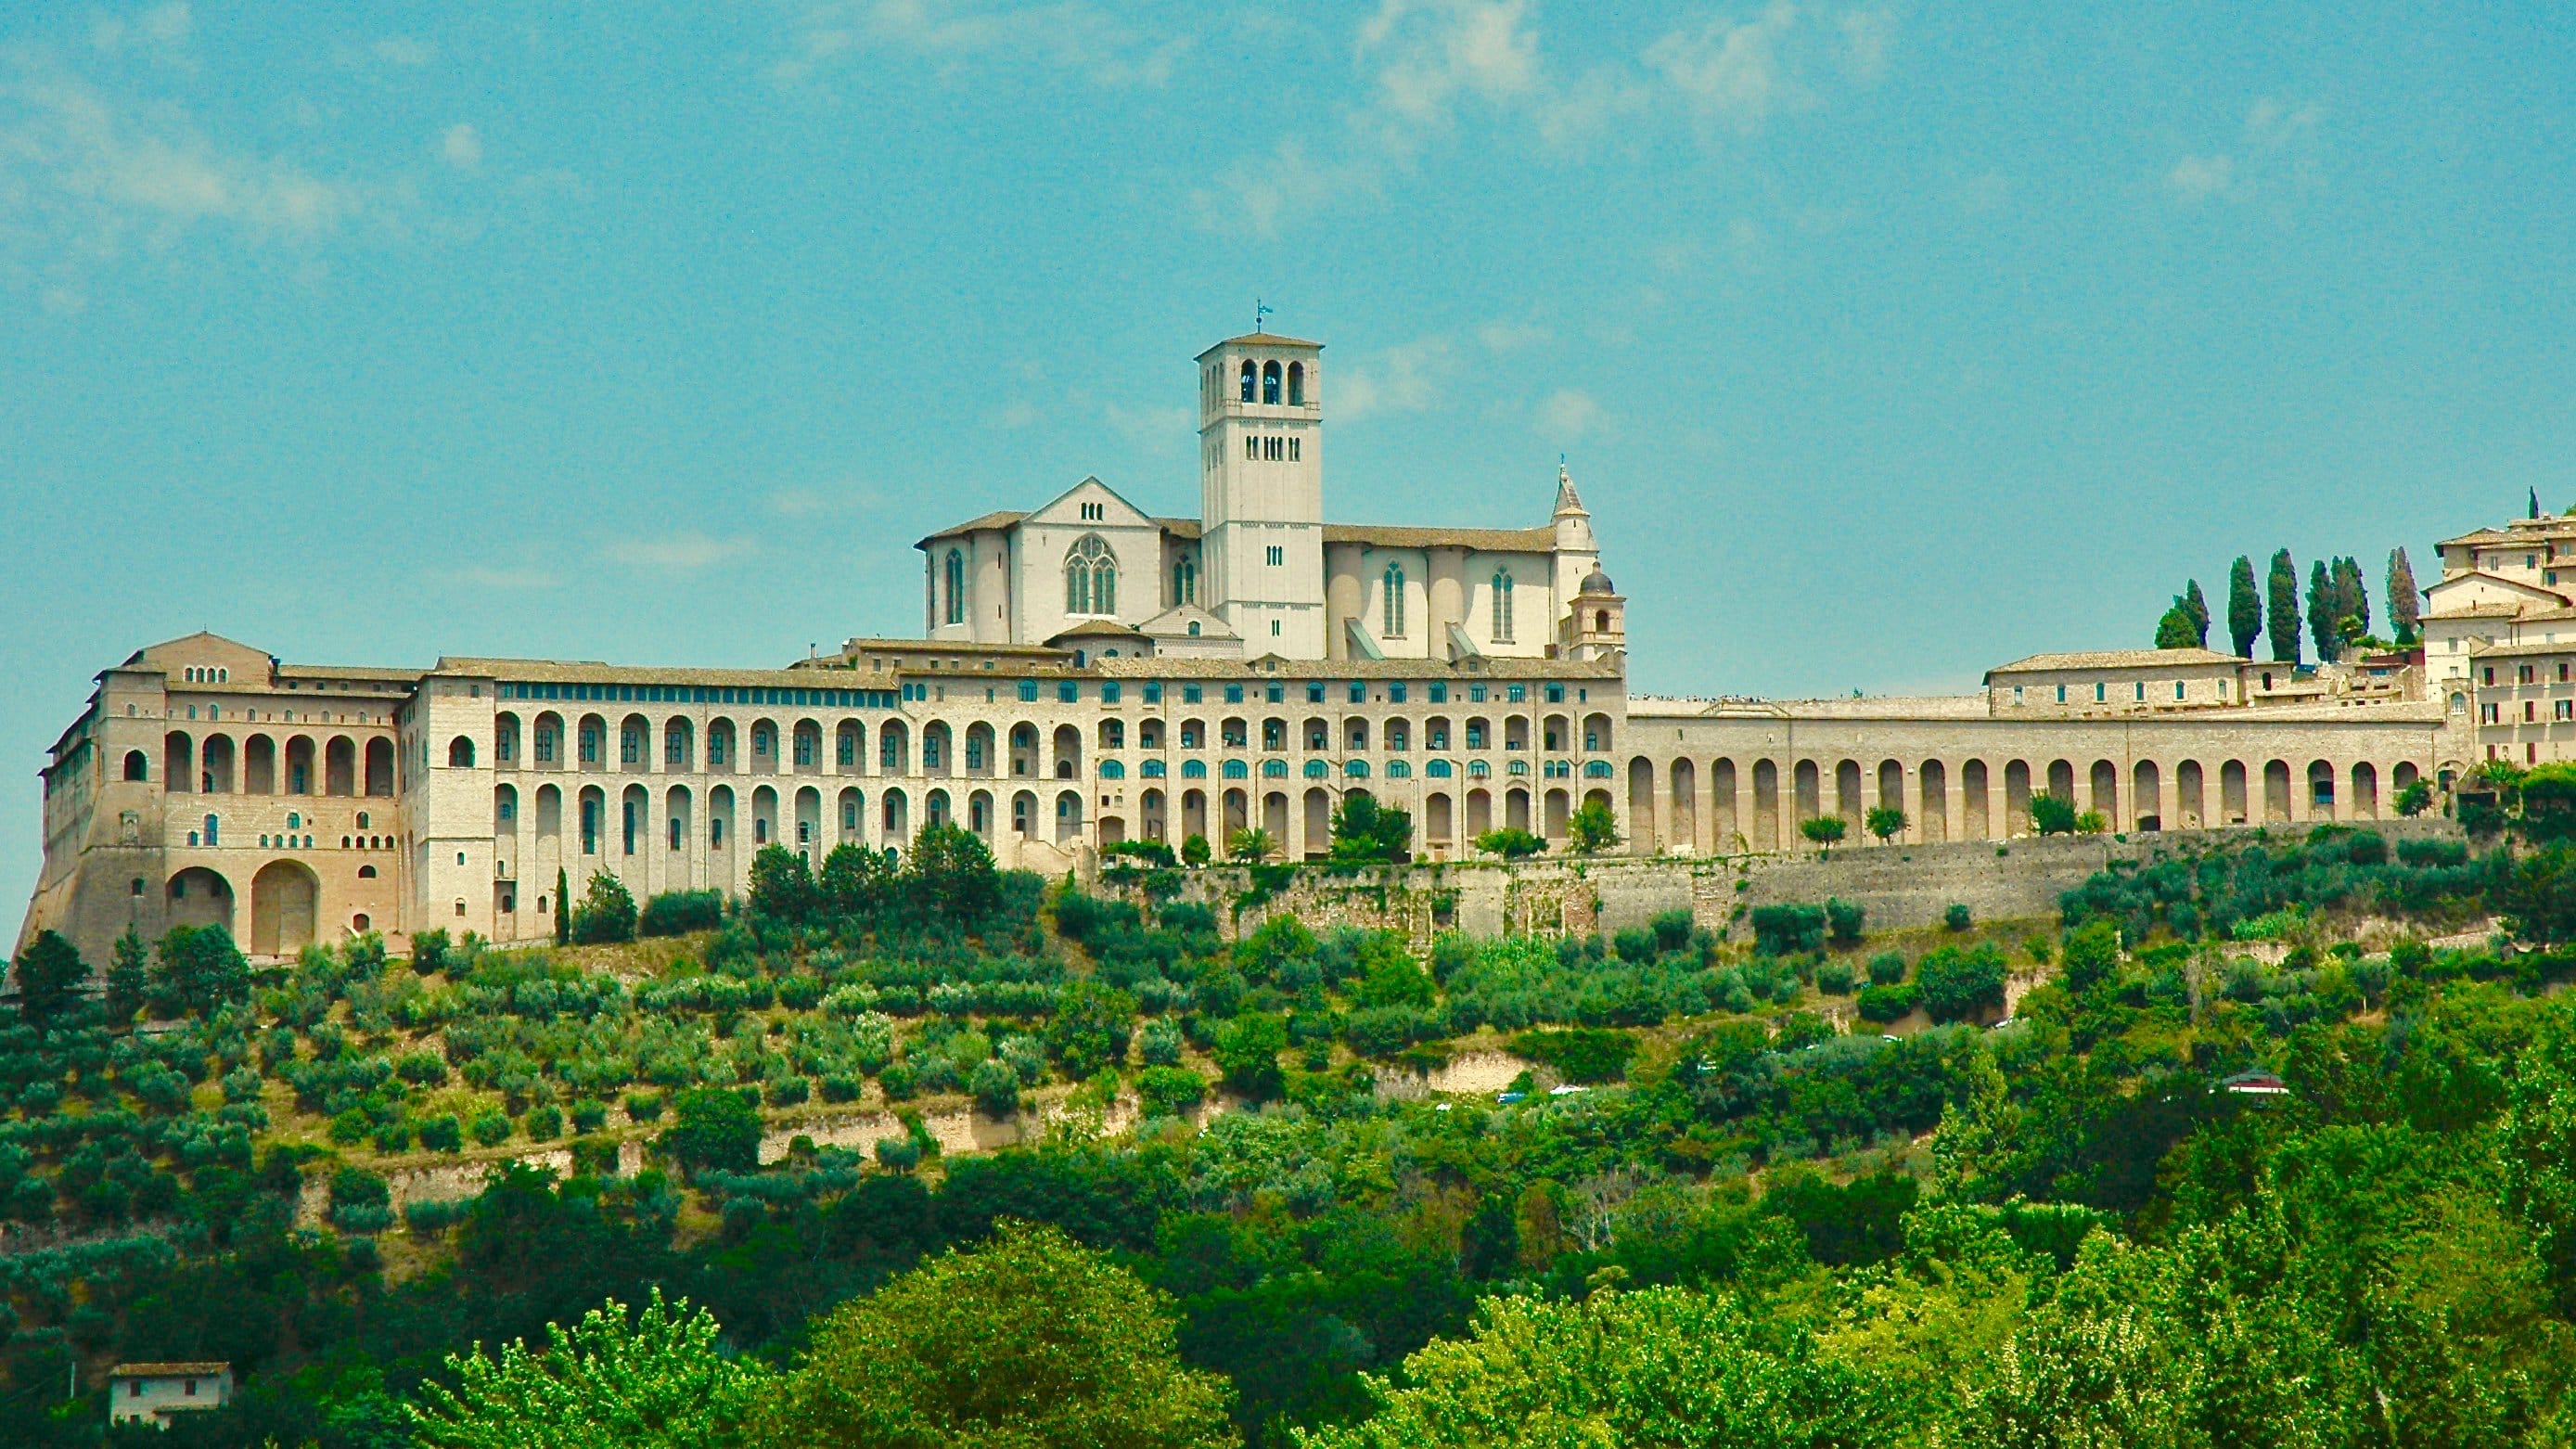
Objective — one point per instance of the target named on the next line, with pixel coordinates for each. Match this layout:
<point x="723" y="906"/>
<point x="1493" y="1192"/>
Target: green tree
<point x="854" y="880"/>
<point x="1510" y="844"/>
<point x="1668" y="1367"/>
<point x="1090" y="1028"/>
<point x="1252" y="843"/>
<point x="2244" y="607"/>
<point x="952" y="875"/>
<point x="1366" y="832"/>
<point x="1194" y="850"/>
<point x="2405" y="604"/>
<point x="1824" y="829"/>
<point x="2538" y="897"/>
<point x="1029" y="1342"/>
<point x="781" y="887"/>
<point x="201" y="969"/>
<point x="1885" y="821"/>
<point x="2325" y="605"/>
<point x="2415" y="799"/>
<point x="660" y="1382"/>
<point x="1958" y="984"/>
<point x="995" y="1085"/>
<point x="563" y="908"/>
<point x="2051" y="814"/>
<point x="2283" y="608"/>
<point x="2091" y="955"/>
<point x="713" y="1127"/>
<point x="1247" y="1051"/>
<point x="128" y="978"/>
<point x="1593" y="828"/>
<point x="607" y="912"/>
<point x="2352" y="597"/>
<point x="2174" y="630"/>
<point x="2539" y="1153"/>
<point x="50" y="976"/>
<point x="2198" y="604"/>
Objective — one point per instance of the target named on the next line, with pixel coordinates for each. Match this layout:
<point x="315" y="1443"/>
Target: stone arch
<point x="1807" y="795"/>
<point x="505" y="739"/>
<point x="547" y="752"/>
<point x="764" y="816"/>
<point x="1766" y="805"/>
<point x="2017" y="793"/>
<point x="215" y="765"/>
<point x="1318" y="821"/>
<point x="2191" y="796"/>
<point x="340" y="766"/>
<point x="302" y="776"/>
<point x="550" y="813"/>
<point x="2061" y="781"/>
<point x="1480" y="812"/>
<point x="1891" y="791"/>
<point x="849" y="815"/>
<point x="2234" y="805"/>
<point x="2321" y="789"/>
<point x="1439" y="820"/>
<point x="979" y="813"/>
<point x="505" y="810"/>
<point x="1642" y="824"/>
<point x="1976" y="803"/>
<point x="2146" y="796"/>
<point x="979" y="750"/>
<point x="2276" y="791"/>
<point x="679" y="745"/>
<point x="1684" y="793"/>
<point x="590" y="744"/>
<point x="1555" y="808"/>
<point x="679" y="824"/>
<point x="634" y="744"/>
<point x="2404" y="775"/>
<point x="138" y="766"/>
<point x="894" y="748"/>
<point x="1847" y="801"/>
<point x="1516" y="806"/>
<point x="2104" y="781"/>
<point x="380" y="768"/>
<point x="1596" y="734"/>
<point x="720" y="823"/>
<point x="200" y="897"/>
<point x="2365" y="791"/>
<point x="1932" y="812"/>
<point x="284" y="899"/>
<point x="805" y="749"/>
<point x="1068" y="814"/>
<point x="809" y="823"/>
<point x="1024" y="814"/>
<point x="178" y="762"/>
<point x="1067" y="752"/>
<point x="259" y="765"/>
<point x="460" y="753"/>
<point x="894" y="817"/>
<point x="1726" y="826"/>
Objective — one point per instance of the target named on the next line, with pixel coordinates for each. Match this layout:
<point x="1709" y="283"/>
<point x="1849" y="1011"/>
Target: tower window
<point x="1270" y="382"/>
<point x="1247" y="380"/>
<point x="1296" y="384"/>
<point x="1292" y="450"/>
<point x="1502" y="607"/>
<point x="1251" y="446"/>
<point x="1276" y="554"/>
<point x="1185" y="581"/>
<point x="1394" y="602"/>
<point x="955" y="613"/>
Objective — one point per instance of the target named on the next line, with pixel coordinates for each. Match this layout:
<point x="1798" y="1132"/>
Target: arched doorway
<point x="283" y="897"/>
<point x="199" y="897"/>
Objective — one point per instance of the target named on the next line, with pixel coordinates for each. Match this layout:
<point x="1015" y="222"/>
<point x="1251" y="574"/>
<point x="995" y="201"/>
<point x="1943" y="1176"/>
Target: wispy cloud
<point x="1099" y="44"/>
<point x="1511" y="336"/>
<point x="799" y="503"/>
<point x="1160" y="430"/>
<point x="1570" y="413"/>
<point x="1403" y="379"/>
<point x="403" y="50"/>
<point x="2275" y="156"/>
<point x="461" y="146"/>
<point x="683" y="552"/>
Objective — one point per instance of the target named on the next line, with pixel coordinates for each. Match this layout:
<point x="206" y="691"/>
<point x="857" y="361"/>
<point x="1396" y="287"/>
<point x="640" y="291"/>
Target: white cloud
<point x="799" y="503"/>
<point x="1731" y="70"/>
<point x="1868" y="35"/>
<point x="461" y="147"/>
<point x="1261" y="195"/>
<point x="404" y="50"/>
<point x="2276" y="156"/>
<point x="1402" y="379"/>
<point x="1431" y="52"/>
<point x="1510" y="336"/>
<point x="1570" y="413"/>
<point x="162" y="26"/>
<point x="1020" y="413"/>
<point x="682" y="552"/>
<point x="1071" y="35"/>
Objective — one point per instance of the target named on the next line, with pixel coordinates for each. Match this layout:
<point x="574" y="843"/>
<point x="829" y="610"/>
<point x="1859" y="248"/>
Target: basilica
<point x="1088" y="673"/>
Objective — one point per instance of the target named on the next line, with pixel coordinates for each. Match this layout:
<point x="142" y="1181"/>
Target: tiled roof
<point x="174" y="1369"/>
<point x="2116" y="659"/>
<point x="1371" y="535"/>
<point x="1263" y="339"/>
<point x="1485" y="667"/>
<point x="562" y="671"/>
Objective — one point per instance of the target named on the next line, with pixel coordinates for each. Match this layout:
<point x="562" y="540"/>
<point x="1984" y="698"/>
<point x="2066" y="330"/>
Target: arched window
<point x="1394" y="609"/>
<point x="1185" y="581"/>
<point x="1270" y="382"/>
<point x="136" y="766"/>
<point x="956" y="582"/>
<point x="1502" y="607"/>
<point x="1296" y="384"/>
<point x="1247" y="380"/>
<point x="460" y="753"/>
<point x="1090" y="577"/>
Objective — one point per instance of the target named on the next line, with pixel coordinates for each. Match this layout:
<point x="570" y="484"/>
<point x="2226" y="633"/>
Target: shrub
<point x="543" y="1124"/>
<point x="1886" y="969"/>
<point x="1885" y="822"/>
<point x="2426" y="854"/>
<point x="594" y="1156"/>
<point x="644" y="1106"/>
<point x="589" y="1115"/>
<point x="1248" y="1050"/>
<point x="491" y="1128"/>
<point x="422" y="1069"/>
<point x="1510" y="843"/>
<point x="1824" y="829"/>
<point x="1787" y="930"/>
<point x="2052" y="815"/>
<point x="712" y="1127"/>
<point x="1169" y="1091"/>
<point x="2091" y="955"/>
<point x="351" y="1127"/>
<point x="996" y="1088"/>
<point x="241" y="1084"/>
<point x="1886" y="1003"/>
<point x="1579" y="1054"/>
<point x="2367" y="847"/>
<point x="1834" y="976"/>
<point x="429" y="950"/>
<point x="1842" y="921"/>
<point x="2415" y="799"/>
<point x="394" y="1136"/>
<point x="1956" y="918"/>
<point x="788" y="1091"/>
<point x="901" y="1082"/>
<point x="676" y="913"/>
<point x="606" y="913"/>
<point x="1958" y="985"/>
<point x="442" y="1134"/>
<point x="835" y="1087"/>
<point x="1159" y="1044"/>
<point x="902" y="1154"/>
<point x="1195" y="851"/>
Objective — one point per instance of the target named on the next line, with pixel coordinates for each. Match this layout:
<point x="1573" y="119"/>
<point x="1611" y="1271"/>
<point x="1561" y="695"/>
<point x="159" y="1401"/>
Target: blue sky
<point x="1887" y="341"/>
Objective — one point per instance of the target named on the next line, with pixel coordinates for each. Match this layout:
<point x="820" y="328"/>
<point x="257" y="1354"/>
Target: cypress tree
<point x="2355" y="593"/>
<point x="2244" y="607"/>
<point x="2174" y="631"/>
<point x="127" y="978"/>
<point x="563" y="908"/>
<point x="2324" y="607"/>
<point x="2283" y="586"/>
<point x="2405" y="605"/>
<point x="2199" y="607"/>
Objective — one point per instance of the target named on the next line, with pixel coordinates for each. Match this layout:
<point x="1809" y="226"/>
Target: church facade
<point x="1088" y="673"/>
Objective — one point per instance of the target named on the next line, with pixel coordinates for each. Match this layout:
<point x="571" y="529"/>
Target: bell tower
<point x="1261" y="492"/>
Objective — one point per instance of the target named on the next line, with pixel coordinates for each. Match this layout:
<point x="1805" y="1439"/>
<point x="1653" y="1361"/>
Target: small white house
<point x="155" y="1391"/>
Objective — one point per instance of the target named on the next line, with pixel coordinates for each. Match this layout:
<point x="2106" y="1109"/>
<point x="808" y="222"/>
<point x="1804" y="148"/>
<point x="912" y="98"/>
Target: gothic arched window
<point x="1270" y="382"/>
<point x="1502" y="607"/>
<point x="1090" y="577"/>
<point x="1185" y="581"/>
<point x="1247" y="380"/>
<point x="1394" y="609"/>
<point x="955" y="613"/>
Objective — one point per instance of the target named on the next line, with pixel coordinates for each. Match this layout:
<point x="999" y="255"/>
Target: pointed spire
<point x="1566" y="499"/>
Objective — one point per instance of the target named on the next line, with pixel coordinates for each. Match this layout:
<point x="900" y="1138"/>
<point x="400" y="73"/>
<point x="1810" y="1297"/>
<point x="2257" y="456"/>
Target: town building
<point x="153" y="1392"/>
<point x="1089" y="673"/>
